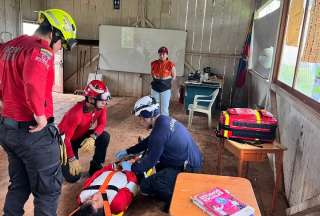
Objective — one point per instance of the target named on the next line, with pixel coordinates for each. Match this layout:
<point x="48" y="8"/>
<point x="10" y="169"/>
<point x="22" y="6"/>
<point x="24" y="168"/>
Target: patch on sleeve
<point x="46" y="52"/>
<point x="43" y="56"/>
<point x="172" y="124"/>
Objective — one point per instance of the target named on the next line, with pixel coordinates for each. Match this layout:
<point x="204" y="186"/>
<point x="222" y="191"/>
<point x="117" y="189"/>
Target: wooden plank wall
<point x="29" y="8"/>
<point x="9" y="18"/>
<point x="299" y="132"/>
<point x="11" y="11"/>
<point x="214" y="26"/>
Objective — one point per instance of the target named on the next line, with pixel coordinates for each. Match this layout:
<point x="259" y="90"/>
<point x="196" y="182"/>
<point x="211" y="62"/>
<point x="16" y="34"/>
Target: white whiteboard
<point x="132" y="49"/>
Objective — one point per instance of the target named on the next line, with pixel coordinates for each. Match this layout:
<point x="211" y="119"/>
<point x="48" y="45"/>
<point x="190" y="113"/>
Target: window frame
<point x="281" y="37"/>
<point x="27" y="21"/>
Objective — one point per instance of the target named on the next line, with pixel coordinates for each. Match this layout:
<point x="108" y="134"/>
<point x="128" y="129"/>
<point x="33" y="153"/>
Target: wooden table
<point x="249" y="153"/>
<point x="189" y="184"/>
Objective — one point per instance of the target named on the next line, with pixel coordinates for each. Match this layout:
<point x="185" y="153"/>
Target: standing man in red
<point x="83" y="127"/>
<point x="27" y="132"/>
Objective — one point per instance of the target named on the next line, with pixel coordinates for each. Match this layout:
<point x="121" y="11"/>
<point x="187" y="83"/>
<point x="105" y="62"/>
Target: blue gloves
<point x="126" y="166"/>
<point x="121" y="154"/>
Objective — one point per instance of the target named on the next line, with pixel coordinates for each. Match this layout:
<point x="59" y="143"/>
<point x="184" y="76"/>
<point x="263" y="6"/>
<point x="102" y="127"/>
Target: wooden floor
<point x="124" y="133"/>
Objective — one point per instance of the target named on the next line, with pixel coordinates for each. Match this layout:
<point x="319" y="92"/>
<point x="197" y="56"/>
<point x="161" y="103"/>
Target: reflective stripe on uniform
<point x="132" y="188"/>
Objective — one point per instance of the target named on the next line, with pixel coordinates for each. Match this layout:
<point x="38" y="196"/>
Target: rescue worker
<point x="169" y="147"/>
<point x="27" y="132"/>
<point x="83" y="127"/>
<point x="163" y="71"/>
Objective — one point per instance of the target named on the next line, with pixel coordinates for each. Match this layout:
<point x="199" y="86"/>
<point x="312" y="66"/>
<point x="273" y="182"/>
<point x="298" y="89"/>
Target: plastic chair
<point x="195" y="107"/>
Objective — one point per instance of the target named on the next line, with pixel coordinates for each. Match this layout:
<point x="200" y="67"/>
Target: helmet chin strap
<point x="56" y="35"/>
<point x="94" y="103"/>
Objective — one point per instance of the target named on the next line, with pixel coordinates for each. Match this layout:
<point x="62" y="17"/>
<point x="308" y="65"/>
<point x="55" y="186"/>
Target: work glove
<point x="126" y="166"/>
<point x="121" y="154"/>
<point x="87" y="145"/>
<point x="63" y="151"/>
<point x="74" y="167"/>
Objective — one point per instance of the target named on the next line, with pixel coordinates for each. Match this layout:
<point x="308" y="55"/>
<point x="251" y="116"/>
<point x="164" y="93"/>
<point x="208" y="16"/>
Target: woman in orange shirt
<point x="163" y="71"/>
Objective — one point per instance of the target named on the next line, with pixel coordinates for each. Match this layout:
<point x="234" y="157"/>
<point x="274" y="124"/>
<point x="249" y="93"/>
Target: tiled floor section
<point x="124" y="133"/>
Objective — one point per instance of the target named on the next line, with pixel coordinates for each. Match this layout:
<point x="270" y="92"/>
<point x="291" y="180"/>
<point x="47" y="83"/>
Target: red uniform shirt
<point x="76" y="123"/>
<point x="26" y="78"/>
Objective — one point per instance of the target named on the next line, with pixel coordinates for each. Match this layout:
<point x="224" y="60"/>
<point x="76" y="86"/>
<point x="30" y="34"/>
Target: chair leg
<point x="209" y="120"/>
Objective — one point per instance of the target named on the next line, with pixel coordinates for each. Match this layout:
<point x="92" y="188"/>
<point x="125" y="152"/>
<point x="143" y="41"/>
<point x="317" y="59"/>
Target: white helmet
<point x="146" y="107"/>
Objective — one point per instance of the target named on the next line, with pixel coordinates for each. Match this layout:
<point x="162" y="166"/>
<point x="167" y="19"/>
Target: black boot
<point x="94" y="166"/>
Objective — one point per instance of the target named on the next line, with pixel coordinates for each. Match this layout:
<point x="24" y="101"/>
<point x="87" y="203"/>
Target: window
<point x="29" y="28"/>
<point x="264" y="36"/>
<point x="299" y="69"/>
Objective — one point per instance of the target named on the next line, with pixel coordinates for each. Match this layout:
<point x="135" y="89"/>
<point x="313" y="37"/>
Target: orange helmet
<point x="97" y="90"/>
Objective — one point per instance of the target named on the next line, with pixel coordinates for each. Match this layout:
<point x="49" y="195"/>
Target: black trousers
<point x="102" y="143"/>
<point x="161" y="184"/>
<point x="34" y="167"/>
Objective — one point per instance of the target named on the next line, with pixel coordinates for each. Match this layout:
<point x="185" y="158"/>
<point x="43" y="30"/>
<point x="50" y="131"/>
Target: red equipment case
<point x="245" y="124"/>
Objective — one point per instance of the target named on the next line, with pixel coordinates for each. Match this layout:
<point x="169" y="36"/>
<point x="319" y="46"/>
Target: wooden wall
<point x="29" y="8"/>
<point x="299" y="132"/>
<point x="9" y="19"/>
<point x="216" y="31"/>
<point x="13" y="11"/>
<point x="214" y="27"/>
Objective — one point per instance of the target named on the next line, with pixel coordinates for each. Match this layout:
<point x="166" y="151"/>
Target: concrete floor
<point x="124" y="133"/>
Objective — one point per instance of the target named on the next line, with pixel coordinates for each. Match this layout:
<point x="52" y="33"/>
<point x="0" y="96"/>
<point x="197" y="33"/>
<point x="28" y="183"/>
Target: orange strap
<point x="102" y="189"/>
<point x="104" y="186"/>
<point x="106" y="207"/>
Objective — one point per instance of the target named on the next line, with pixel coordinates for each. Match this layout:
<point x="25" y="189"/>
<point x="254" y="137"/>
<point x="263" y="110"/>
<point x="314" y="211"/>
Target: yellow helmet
<point x="63" y="22"/>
